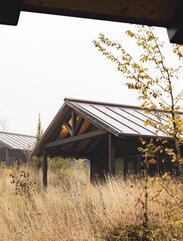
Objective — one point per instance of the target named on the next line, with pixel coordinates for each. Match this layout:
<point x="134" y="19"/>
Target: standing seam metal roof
<point x="120" y="120"/>
<point x="123" y="119"/>
<point x="17" y="141"/>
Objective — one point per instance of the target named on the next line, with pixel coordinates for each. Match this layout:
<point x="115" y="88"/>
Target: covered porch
<point x="104" y="133"/>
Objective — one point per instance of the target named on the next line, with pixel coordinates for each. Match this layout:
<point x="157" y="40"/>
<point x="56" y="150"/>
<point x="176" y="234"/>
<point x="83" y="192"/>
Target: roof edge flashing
<point x="99" y="102"/>
<point x="121" y="135"/>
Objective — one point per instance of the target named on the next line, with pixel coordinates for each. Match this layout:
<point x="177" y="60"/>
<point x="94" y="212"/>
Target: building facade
<point x="15" y="147"/>
<point x="107" y="134"/>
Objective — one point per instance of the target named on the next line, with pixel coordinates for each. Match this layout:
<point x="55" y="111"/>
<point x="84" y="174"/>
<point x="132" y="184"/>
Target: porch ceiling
<point x="165" y="13"/>
<point x="157" y="12"/>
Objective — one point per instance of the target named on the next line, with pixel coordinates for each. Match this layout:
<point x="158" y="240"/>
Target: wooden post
<point x="45" y="168"/>
<point x="7" y="156"/>
<point x="125" y="159"/>
<point x="158" y="164"/>
<point x="111" y="154"/>
<point x="125" y="165"/>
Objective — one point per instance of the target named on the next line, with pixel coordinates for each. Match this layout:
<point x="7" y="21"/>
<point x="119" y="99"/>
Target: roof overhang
<point x="10" y="11"/>
<point x="136" y="136"/>
<point x="122" y="121"/>
<point x="164" y="13"/>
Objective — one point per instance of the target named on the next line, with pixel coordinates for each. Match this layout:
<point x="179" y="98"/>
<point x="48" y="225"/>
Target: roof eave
<point x="37" y="151"/>
<point x="145" y="136"/>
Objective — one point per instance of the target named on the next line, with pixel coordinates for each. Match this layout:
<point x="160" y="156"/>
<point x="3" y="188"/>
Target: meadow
<point x="74" y="209"/>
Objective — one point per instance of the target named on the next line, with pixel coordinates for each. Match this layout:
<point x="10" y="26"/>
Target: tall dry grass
<point x="73" y="209"/>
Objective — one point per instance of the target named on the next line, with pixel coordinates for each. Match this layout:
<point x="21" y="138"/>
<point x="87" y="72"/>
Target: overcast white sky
<point x="47" y="58"/>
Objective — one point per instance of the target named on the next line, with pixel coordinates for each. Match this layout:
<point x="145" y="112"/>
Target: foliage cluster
<point x="61" y="167"/>
<point x="64" y="168"/>
<point x="154" y="80"/>
<point x="149" y="74"/>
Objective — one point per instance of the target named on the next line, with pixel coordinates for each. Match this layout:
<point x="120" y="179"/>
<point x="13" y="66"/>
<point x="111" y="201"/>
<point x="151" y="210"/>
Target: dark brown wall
<point x="125" y="148"/>
<point x="99" y="157"/>
<point x="13" y="155"/>
<point x="3" y="154"/>
<point x="99" y="160"/>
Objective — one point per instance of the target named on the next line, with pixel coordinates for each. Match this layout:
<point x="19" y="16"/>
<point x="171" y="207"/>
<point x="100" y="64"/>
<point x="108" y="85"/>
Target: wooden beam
<point x="87" y="130"/>
<point x="78" y="126"/>
<point x="111" y="154"/>
<point x="57" y="127"/>
<point x="156" y="12"/>
<point x="45" y="168"/>
<point x="175" y="34"/>
<point x="9" y="11"/>
<point x="67" y="154"/>
<point x="175" y="28"/>
<point x="148" y="12"/>
<point x="69" y="128"/>
<point x="73" y="116"/>
<point x="75" y="138"/>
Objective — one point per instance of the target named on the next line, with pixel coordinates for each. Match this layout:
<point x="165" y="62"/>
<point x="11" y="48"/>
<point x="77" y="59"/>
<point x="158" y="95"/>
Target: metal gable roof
<point x="17" y="141"/>
<point x="118" y="119"/>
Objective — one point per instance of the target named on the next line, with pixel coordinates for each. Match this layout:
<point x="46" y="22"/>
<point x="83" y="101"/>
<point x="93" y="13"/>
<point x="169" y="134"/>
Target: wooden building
<point x="104" y="133"/>
<point x="14" y="147"/>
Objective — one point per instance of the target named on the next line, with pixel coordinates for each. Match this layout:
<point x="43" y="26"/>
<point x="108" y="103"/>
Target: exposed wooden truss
<point x="73" y="123"/>
<point x="75" y="138"/>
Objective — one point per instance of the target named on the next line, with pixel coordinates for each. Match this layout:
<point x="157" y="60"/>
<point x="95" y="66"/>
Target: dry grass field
<point x="73" y="209"/>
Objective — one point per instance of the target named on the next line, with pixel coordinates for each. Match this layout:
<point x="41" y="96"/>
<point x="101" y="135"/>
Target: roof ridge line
<point x="101" y="102"/>
<point x="114" y="104"/>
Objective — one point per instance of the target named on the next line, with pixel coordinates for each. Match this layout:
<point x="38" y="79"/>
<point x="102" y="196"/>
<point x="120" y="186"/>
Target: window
<point x="134" y="164"/>
<point x="119" y="166"/>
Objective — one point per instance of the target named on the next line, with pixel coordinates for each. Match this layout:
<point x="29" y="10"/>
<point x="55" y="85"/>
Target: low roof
<point x="17" y="141"/>
<point x="120" y="120"/>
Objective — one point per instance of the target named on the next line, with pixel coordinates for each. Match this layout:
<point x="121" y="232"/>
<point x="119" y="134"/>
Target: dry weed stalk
<point x="77" y="210"/>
